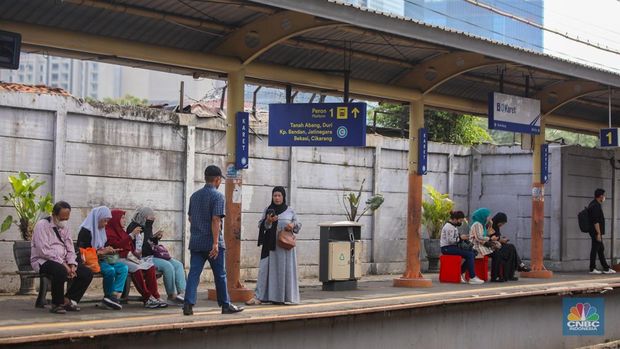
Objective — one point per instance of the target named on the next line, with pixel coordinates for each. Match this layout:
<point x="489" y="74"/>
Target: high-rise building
<point x="469" y="18"/>
<point x="80" y="78"/>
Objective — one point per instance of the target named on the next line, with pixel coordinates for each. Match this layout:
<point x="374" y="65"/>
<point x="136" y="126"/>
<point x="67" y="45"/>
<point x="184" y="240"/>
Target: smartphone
<point x="271" y="212"/>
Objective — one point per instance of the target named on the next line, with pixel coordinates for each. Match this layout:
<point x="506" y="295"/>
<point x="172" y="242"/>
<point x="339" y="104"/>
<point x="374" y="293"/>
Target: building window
<point x="55" y="77"/>
<point x="55" y="66"/>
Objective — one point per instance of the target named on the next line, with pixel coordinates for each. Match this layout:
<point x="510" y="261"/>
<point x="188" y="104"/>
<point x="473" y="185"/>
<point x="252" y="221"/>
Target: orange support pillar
<point x="538" y="213"/>
<point x="412" y="277"/>
<point x="232" y="221"/>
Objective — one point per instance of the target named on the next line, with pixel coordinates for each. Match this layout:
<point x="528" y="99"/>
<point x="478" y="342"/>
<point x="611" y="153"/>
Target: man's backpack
<point x="583" y="217"/>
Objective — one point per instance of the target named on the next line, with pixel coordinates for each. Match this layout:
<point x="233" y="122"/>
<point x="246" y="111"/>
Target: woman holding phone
<point x="92" y="234"/>
<point x="505" y="261"/>
<point x="277" y="272"/>
<point x="143" y="272"/>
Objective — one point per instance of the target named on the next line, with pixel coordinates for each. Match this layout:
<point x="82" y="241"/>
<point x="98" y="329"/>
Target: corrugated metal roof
<point x="475" y="85"/>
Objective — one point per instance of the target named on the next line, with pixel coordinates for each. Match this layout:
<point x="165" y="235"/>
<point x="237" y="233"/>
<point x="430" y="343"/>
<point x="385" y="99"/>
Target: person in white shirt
<point x="449" y="243"/>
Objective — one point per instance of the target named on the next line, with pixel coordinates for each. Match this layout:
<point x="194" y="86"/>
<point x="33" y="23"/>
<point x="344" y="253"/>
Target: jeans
<point x="58" y="274"/>
<point x="114" y="277"/>
<point x="196" y="265"/>
<point x="597" y="249"/>
<point x="468" y="256"/>
<point x="174" y="275"/>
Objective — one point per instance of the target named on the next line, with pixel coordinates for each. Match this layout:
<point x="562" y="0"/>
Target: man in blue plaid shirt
<point x="206" y="210"/>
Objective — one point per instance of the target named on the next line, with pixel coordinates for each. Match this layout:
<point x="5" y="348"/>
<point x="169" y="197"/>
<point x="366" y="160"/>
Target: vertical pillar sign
<point x="242" y="153"/>
<point x="544" y="163"/>
<point x="422" y="151"/>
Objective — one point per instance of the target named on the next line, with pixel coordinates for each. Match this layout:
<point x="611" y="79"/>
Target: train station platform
<point x="22" y="325"/>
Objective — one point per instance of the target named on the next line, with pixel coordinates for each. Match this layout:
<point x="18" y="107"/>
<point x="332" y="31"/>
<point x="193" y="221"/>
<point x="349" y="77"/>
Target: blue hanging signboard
<point x="514" y="113"/>
<point x="317" y="125"/>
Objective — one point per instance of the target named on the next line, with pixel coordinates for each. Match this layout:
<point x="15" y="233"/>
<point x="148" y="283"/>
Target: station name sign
<point x="514" y="113"/>
<point x="317" y="125"/>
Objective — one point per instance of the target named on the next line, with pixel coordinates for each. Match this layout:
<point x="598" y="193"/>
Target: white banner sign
<point x="514" y="113"/>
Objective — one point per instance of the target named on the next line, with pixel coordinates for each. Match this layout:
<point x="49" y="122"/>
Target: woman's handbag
<point x="160" y="251"/>
<point x="286" y="239"/>
<point x="132" y="258"/>
<point x="91" y="261"/>
<point x="110" y="258"/>
<point x="494" y="245"/>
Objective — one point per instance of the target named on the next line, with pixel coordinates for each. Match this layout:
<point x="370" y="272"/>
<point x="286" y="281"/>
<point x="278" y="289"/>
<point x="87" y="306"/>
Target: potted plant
<point x="29" y="208"/>
<point x="372" y="204"/>
<point x="435" y="212"/>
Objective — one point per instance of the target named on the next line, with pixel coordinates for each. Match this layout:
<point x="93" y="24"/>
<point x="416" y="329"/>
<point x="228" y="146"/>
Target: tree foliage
<point x="442" y="126"/>
<point x="450" y="127"/>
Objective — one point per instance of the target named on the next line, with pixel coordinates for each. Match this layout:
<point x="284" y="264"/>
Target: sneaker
<point x="475" y="281"/>
<point x="523" y="268"/>
<point x="596" y="272"/>
<point x="609" y="271"/>
<point x="152" y="303"/>
<point x="162" y="303"/>
<point x="180" y="298"/>
<point x="112" y="303"/>
<point x="463" y="281"/>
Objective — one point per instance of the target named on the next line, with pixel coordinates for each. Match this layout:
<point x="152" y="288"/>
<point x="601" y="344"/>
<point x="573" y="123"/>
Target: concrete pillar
<point x="190" y="162"/>
<point x="538" y="212"/>
<point x="60" y="141"/>
<point x="233" y="190"/>
<point x="412" y="277"/>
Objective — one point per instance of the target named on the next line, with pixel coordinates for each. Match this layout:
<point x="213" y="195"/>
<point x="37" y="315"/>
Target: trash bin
<point x="340" y="251"/>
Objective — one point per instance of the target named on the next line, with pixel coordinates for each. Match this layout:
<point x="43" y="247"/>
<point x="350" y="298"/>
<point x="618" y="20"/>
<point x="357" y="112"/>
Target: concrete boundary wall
<point x="129" y="157"/>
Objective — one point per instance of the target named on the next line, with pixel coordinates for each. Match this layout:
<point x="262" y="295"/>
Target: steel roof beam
<point x="429" y="74"/>
<point x="250" y="41"/>
<point x="557" y="95"/>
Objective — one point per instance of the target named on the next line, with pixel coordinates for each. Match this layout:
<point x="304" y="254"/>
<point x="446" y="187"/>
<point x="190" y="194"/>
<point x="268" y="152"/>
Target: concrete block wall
<point x="130" y="157"/>
<point x="583" y="171"/>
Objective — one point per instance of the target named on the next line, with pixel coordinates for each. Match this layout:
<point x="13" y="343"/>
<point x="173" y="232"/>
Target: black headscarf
<point x="282" y="207"/>
<point x="267" y="237"/>
<point x="499" y="218"/>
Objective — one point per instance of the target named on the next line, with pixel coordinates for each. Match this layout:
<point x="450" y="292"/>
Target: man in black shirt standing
<point x="597" y="218"/>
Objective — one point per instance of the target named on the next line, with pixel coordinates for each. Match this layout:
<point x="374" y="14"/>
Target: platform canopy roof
<point x="308" y="44"/>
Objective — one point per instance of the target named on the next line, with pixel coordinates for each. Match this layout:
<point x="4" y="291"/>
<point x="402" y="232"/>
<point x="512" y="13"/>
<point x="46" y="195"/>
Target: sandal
<point x="58" y="309"/>
<point x="253" y="301"/>
<point x="71" y="307"/>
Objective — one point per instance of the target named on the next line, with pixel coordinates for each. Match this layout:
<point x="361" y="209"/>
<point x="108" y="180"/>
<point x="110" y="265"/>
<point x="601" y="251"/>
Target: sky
<point x="593" y="20"/>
